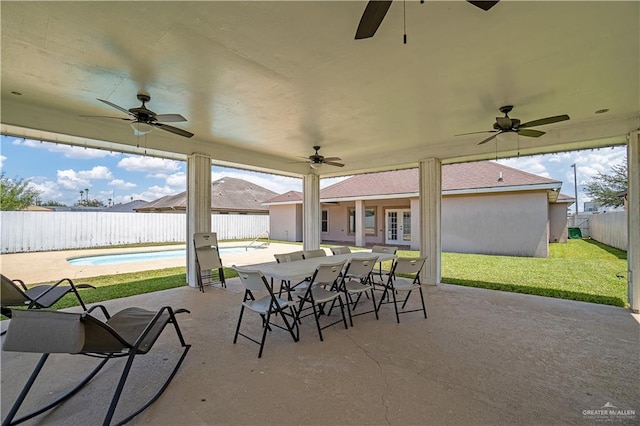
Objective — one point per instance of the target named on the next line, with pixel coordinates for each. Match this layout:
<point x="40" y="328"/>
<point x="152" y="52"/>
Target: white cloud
<point x="98" y="172"/>
<point x="69" y="151"/>
<point x="152" y="193"/>
<point x="69" y="179"/>
<point x="48" y="190"/>
<point x="2" y="158"/>
<point x="178" y="180"/>
<point x="149" y="164"/>
<point x="121" y="184"/>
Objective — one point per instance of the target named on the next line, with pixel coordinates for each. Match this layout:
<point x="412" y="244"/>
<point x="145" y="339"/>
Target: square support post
<point x="360" y="231"/>
<point x="311" y="214"/>
<point x="430" y="220"/>
<point x="633" y="218"/>
<point x="198" y="206"/>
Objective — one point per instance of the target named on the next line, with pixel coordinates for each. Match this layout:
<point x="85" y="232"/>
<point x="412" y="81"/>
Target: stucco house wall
<point x="339" y="219"/>
<point x="285" y="222"/>
<point x="558" y="232"/>
<point x="513" y="224"/>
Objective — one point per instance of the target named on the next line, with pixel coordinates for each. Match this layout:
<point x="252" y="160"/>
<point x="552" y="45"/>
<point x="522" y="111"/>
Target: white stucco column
<point x="633" y="217"/>
<point x="360" y="231"/>
<point x="198" y="206"/>
<point x="430" y="209"/>
<point x="415" y="224"/>
<point x="311" y="213"/>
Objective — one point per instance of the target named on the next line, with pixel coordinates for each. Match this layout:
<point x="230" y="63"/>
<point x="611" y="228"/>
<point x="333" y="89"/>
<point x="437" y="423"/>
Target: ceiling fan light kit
<point x="507" y="124"/>
<point x="143" y="120"/>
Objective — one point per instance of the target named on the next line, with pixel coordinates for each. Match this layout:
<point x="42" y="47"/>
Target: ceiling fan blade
<point x="371" y="19"/>
<point x="326" y="159"/>
<point x="104" y="116"/>
<point x="172" y="129"/>
<point x="331" y="163"/>
<point x="490" y="138"/>
<point x="475" y="133"/>
<point x="118" y="107"/>
<point x="170" y="118"/>
<point x="531" y="133"/>
<point x="484" y="5"/>
<point x="543" y="121"/>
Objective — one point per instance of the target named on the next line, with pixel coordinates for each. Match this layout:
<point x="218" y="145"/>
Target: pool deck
<point x="50" y="266"/>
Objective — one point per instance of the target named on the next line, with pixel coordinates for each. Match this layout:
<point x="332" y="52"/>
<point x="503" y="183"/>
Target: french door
<point x="398" y="227"/>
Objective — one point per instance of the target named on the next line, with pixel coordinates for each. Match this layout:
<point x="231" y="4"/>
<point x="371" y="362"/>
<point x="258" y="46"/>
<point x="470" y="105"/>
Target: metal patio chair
<point x="308" y="254"/>
<point x="322" y="290"/>
<point x="128" y="333"/>
<point x="260" y="298"/>
<point x="14" y="293"/>
<point x="340" y="250"/>
<point x="284" y="284"/>
<point x="397" y="283"/>
<point x="209" y="268"/>
<point x="356" y="282"/>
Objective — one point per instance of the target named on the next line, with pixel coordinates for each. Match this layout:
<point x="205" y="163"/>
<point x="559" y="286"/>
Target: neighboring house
<point x="487" y="208"/>
<point x="129" y="207"/>
<point x="228" y="196"/>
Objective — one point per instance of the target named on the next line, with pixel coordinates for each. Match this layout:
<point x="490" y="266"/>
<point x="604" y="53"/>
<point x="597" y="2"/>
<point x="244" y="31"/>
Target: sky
<point x="60" y="172"/>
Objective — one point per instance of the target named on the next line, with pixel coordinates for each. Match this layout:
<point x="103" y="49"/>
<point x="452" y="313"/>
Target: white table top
<point x="301" y="269"/>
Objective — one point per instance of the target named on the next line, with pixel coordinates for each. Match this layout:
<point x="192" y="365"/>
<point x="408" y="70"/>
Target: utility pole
<point x="575" y="190"/>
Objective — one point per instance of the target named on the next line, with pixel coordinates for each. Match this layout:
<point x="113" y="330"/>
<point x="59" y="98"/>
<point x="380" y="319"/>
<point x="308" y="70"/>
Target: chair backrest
<point x="289" y="257"/>
<point x="409" y="265"/>
<point x="203" y="239"/>
<point x="327" y="273"/>
<point x="11" y="294"/>
<point x="252" y="280"/>
<point x="206" y="246"/>
<point x="308" y="254"/>
<point x="361" y="266"/>
<point x="340" y="250"/>
<point x="384" y="249"/>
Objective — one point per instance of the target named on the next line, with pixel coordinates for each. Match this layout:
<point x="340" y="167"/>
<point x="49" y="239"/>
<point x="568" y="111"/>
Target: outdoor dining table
<point x="301" y="269"/>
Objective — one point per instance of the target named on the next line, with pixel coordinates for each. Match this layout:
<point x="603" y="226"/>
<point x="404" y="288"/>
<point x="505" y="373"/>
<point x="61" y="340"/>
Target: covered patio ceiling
<point x="262" y="82"/>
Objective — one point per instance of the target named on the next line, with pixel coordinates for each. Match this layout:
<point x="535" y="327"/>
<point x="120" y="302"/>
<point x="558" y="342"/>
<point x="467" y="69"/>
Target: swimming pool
<point x="112" y="259"/>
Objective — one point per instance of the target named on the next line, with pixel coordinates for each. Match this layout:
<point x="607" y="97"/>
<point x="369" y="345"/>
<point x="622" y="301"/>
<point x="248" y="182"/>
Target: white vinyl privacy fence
<point x="610" y="228"/>
<point x="44" y="231"/>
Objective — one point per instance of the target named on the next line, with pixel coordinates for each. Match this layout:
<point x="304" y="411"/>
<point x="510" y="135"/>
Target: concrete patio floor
<point x="481" y="358"/>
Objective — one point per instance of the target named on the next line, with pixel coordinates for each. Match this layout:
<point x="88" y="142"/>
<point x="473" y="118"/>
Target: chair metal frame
<point x="265" y="306"/>
<point x="91" y="337"/>
<point x="404" y="266"/>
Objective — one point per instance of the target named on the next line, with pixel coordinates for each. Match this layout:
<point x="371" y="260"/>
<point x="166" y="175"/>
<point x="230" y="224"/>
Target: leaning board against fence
<point x="43" y="231"/>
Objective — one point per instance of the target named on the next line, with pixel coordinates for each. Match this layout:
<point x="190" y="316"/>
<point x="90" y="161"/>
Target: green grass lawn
<point x="578" y="270"/>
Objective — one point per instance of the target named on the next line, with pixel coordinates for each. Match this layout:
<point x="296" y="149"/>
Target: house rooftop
<point x="228" y="194"/>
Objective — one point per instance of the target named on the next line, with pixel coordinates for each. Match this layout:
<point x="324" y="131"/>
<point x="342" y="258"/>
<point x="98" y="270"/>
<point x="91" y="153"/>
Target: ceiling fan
<point x="143" y="120"/>
<point x="316" y="160"/>
<point x="376" y="10"/>
<point x="507" y="124"/>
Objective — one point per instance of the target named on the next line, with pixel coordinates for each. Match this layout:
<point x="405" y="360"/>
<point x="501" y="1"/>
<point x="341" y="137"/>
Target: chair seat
<point x="356" y="287"/>
<point x="321" y="295"/>
<point x="404" y="284"/>
<point x="129" y="323"/>
<point x="51" y="297"/>
<point x="263" y="304"/>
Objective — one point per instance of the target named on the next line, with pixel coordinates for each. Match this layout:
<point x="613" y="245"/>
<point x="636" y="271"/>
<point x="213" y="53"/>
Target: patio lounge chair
<point x="14" y="293"/>
<point x="208" y="261"/>
<point x="128" y="333"/>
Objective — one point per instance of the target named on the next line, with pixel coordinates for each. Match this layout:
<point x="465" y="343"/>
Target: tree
<point x="53" y="203"/>
<point x="94" y="203"/>
<point x="605" y="189"/>
<point x="16" y="194"/>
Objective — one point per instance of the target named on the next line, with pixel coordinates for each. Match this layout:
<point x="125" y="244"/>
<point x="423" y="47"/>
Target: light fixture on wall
<point x="141" y="128"/>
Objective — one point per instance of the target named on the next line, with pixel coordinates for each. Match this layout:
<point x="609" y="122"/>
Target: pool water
<point x="111" y="259"/>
